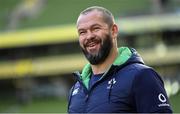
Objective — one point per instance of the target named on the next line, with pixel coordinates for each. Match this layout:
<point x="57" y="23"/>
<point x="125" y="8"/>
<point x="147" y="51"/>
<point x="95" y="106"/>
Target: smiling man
<point x="116" y="79"/>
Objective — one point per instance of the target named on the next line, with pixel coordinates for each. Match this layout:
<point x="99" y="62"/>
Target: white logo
<point x="75" y="91"/>
<point x="111" y="83"/>
<point x="162" y="98"/>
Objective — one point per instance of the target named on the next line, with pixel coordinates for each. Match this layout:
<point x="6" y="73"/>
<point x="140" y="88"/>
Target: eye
<point x="96" y="28"/>
<point x="82" y="32"/>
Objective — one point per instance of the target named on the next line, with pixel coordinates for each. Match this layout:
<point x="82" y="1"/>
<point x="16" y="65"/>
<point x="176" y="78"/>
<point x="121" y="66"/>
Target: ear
<point x="115" y="31"/>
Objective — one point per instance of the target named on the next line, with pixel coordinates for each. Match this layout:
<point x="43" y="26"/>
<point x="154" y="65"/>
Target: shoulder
<point x="139" y="70"/>
<point x="144" y="78"/>
<point x="134" y="75"/>
<point x="147" y="86"/>
<point x="147" y="74"/>
<point x="138" y="74"/>
<point x="136" y="70"/>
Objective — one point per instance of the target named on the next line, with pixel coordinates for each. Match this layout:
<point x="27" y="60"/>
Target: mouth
<point x="92" y="46"/>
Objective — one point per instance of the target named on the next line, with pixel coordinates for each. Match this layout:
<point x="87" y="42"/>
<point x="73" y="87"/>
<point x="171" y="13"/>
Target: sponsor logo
<point x="163" y="100"/>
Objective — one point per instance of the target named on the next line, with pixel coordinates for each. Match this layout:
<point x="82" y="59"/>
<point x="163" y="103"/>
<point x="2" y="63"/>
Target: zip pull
<point x="86" y="97"/>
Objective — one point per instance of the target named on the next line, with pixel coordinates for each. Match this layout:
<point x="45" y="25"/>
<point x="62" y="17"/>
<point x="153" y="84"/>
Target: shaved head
<point x="106" y="14"/>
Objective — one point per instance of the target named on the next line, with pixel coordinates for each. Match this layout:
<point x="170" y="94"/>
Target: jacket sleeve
<point x="149" y="93"/>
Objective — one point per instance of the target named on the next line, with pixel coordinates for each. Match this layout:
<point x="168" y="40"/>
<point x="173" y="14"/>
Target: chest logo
<point x="75" y="91"/>
<point x="111" y="83"/>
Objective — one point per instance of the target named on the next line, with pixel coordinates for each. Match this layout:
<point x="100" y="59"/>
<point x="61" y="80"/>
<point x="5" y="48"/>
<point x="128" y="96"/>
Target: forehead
<point x="91" y="18"/>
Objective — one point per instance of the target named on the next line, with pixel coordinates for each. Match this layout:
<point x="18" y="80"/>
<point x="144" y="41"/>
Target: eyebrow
<point x="91" y="26"/>
<point x="96" y="25"/>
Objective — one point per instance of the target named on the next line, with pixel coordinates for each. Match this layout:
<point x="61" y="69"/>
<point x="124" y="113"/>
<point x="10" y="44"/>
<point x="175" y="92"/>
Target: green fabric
<point x="124" y="54"/>
<point x="86" y="73"/>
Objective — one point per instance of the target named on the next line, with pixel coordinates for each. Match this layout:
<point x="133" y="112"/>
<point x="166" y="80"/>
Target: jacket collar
<point x="124" y="54"/>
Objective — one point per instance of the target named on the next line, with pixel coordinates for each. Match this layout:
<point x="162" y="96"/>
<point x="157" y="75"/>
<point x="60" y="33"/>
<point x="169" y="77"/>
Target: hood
<point x="125" y="56"/>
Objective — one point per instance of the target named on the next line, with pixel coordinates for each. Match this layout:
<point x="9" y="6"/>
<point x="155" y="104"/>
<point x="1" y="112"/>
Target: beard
<point x="104" y="50"/>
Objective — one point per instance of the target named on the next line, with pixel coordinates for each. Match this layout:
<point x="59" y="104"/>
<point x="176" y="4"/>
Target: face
<point x="94" y="37"/>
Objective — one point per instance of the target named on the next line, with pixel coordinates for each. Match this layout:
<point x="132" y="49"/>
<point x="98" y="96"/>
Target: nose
<point x="90" y="35"/>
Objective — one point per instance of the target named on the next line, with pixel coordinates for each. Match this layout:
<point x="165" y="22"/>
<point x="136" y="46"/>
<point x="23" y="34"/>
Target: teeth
<point x="91" y="44"/>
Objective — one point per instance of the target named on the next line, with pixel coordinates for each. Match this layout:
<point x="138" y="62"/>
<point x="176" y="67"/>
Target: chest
<point x="110" y="95"/>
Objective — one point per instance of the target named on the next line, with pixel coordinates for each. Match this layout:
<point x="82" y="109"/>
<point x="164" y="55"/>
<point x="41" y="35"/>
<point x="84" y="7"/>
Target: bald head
<point x="106" y="14"/>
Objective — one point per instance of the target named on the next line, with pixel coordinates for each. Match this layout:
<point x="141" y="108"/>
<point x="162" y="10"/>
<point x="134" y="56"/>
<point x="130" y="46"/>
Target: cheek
<point x="81" y="42"/>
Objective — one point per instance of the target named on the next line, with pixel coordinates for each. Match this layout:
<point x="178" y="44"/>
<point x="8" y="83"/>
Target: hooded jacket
<point x="127" y="86"/>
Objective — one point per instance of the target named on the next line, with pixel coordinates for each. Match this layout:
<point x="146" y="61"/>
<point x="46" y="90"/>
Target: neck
<point x="101" y="68"/>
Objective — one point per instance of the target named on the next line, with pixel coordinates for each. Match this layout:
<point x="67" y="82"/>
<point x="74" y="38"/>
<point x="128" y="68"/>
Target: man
<point x="116" y="79"/>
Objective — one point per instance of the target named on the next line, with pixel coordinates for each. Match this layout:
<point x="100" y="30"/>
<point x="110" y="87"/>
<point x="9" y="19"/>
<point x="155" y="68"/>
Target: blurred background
<point x="39" y="48"/>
